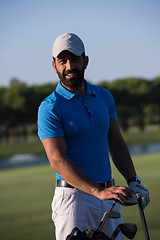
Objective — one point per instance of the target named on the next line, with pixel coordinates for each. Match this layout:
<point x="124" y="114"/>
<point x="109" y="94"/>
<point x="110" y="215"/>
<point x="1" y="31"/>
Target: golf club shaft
<point x="115" y="233"/>
<point x="105" y="216"/>
<point x="143" y="219"/>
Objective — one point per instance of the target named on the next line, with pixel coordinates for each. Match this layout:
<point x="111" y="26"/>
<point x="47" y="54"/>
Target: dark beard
<point x="73" y="83"/>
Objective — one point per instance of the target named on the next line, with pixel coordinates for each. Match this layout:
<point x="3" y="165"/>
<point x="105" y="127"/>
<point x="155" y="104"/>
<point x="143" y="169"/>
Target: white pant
<point x="74" y="208"/>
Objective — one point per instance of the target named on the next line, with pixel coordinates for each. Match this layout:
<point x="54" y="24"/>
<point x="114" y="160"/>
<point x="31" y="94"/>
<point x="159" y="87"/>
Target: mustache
<point x="70" y="71"/>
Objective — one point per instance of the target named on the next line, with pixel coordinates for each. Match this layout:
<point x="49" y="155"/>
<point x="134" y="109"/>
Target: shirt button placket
<point x="89" y="112"/>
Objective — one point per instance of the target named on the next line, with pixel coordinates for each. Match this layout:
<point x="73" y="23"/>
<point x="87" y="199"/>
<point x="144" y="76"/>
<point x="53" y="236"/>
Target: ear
<point x="54" y="65"/>
<point x="86" y="61"/>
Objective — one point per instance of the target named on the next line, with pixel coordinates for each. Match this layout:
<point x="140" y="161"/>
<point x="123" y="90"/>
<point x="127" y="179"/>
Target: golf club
<point x="143" y="219"/>
<point x="114" y="214"/>
<point x="105" y="216"/>
<point x="129" y="230"/>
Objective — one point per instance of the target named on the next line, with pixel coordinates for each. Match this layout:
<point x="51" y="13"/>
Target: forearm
<point x="56" y="152"/>
<point x="74" y="176"/>
<point x="119" y="152"/>
<point x="122" y="160"/>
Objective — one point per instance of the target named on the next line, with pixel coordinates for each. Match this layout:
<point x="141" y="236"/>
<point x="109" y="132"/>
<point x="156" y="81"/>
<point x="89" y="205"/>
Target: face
<point x="70" y="68"/>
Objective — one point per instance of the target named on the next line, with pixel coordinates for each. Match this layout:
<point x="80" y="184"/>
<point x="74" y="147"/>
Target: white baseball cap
<point x="70" y="42"/>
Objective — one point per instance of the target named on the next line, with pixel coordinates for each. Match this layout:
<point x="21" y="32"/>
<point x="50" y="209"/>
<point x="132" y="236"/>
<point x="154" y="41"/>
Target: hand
<point x="131" y="201"/>
<point x="116" y="193"/>
<point x="138" y="188"/>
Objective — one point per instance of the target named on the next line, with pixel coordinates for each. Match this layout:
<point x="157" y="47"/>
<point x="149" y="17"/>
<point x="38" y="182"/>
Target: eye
<point x="62" y="61"/>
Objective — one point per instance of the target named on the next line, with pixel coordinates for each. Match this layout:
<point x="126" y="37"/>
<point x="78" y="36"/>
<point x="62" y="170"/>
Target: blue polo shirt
<point x="84" y="122"/>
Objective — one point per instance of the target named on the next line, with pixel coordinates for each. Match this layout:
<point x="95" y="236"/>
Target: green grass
<point x="20" y="147"/>
<point x="25" y="201"/>
<point x="150" y="134"/>
<point x="26" y="195"/>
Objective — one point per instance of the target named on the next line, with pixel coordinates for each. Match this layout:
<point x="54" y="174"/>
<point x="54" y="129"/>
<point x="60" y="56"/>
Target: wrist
<point x="98" y="192"/>
<point x="135" y="179"/>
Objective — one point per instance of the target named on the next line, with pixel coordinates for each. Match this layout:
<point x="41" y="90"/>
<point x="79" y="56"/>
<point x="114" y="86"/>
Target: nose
<point x="69" y="64"/>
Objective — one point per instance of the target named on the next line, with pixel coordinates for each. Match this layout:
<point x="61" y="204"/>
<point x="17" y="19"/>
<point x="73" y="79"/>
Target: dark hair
<point x="83" y="55"/>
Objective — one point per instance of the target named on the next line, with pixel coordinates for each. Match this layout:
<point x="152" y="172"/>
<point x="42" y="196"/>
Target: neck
<point x="80" y="89"/>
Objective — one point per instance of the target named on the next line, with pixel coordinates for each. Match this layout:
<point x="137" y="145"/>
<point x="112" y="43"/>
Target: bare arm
<point x="56" y="152"/>
<point x="119" y="152"/>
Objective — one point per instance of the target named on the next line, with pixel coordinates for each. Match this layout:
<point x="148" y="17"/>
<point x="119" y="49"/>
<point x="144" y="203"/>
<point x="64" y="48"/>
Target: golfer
<point x="77" y="125"/>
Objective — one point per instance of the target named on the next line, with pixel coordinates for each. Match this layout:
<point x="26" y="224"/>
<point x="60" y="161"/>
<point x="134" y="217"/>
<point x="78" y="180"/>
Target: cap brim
<point x="76" y="52"/>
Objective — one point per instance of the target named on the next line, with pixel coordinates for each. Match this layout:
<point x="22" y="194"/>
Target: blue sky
<point x="121" y="37"/>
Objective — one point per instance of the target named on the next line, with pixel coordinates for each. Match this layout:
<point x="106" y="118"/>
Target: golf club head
<point x="114" y="214"/>
<point x="129" y="230"/>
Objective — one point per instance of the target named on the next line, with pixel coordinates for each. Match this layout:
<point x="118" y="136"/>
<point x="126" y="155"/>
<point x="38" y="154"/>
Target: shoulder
<point x="50" y="104"/>
<point x="49" y="117"/>
<point x="50" y="99"/>
<point x="101" y="91"/>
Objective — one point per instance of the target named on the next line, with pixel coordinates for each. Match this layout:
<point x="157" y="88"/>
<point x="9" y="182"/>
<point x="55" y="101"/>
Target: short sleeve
<point x="49" y="121"/>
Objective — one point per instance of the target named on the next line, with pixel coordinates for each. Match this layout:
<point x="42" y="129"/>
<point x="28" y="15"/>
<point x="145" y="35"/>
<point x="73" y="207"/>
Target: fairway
<point x="26" y="195"/>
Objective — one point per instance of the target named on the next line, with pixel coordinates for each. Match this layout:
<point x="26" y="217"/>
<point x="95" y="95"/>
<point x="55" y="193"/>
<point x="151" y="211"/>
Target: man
<point x="77" y="124"/>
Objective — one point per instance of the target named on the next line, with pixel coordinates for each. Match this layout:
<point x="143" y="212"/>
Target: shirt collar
<point x="90" y="90"/>
<point x="68" y="94"/>
<point x="64" y="92"/>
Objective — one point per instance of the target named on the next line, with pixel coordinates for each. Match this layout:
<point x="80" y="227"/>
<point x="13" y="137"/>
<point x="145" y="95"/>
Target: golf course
<point x="26" y="195"/>
<point x="80" y="120"/>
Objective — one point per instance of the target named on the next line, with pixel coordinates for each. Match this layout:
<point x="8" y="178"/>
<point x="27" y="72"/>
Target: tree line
<point x="137" y="101"/>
